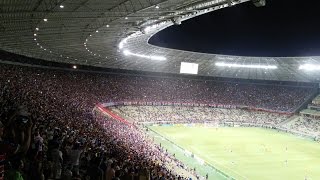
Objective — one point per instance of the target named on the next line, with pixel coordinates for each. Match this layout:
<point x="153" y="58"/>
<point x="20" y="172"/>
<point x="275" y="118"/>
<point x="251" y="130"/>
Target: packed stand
<point x="48" y="130"/>
<point x="178" y="114"/>
<point x="306" y="125"/>
<point x="95" y="88"/>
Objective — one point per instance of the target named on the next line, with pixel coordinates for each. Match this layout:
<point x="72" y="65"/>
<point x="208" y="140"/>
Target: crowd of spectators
<point x="178" y="114"/>
<point x="308" y="122"/>
<point x="48" y="130"/>
<point x="306" y="125"/>
<point x="103" y="87"/>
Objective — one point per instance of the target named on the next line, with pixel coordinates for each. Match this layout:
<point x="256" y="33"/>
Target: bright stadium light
<point x="121" y="44"/>
<point x="253" y="66"/>
<point x="126" y="52"/>
<point x="146" y="30"/>
<point x="156" y="58"/>
<point x="310" y="67"/>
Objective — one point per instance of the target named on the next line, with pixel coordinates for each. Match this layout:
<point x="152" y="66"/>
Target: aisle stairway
<point x="289" y="121"/>
<point x="307" y="122"/>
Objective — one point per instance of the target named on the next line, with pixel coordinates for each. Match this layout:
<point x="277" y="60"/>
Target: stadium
<point x="85" y="95"/>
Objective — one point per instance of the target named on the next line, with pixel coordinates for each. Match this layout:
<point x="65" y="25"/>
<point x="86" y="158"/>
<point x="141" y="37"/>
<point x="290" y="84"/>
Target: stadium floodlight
<point x="121" y="44"/>
<point x="146" y="30"/>
<point x="61" y="6"/>
<point x="310" y="67"/>
<point x="126" y="52"/>
<point x="152" y="57"/>
<point x="156" y="58"/>
<point x="253" y="66"/>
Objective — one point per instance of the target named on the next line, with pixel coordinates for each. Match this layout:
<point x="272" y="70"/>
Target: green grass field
<point x="247" y="153"/>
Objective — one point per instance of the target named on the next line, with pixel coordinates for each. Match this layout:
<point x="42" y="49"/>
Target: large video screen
<point x="188" y="68"/>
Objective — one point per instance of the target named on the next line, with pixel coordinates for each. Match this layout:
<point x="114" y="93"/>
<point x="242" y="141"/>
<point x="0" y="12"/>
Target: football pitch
<point x="244" y="153"/>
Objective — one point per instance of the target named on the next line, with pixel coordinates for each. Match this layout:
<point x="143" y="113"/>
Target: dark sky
<point x="282" y="28"/>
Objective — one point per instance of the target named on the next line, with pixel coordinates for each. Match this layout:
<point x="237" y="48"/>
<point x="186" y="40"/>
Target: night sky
<point x="282" y="28"/>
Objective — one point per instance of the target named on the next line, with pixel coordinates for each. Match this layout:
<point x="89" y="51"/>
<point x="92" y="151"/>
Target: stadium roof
<point x="115" y="34"/>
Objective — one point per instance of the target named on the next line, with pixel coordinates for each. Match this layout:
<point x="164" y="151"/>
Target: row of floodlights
<point x="151" y="57"/>
<point x="127" y="52"/>
<point x="307" y="67"/>
<point x="147" y="30"/>
<point x="46" y="20"/>
<point x="252" y="66"/>
<point x="41" y="47"/>
<point x="304" y="67"/>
